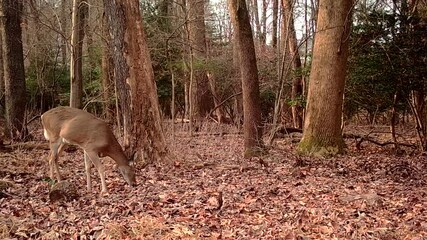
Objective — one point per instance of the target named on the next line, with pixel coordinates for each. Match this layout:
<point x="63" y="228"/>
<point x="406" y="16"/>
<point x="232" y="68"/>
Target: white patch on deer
<point x="46" y="135"/>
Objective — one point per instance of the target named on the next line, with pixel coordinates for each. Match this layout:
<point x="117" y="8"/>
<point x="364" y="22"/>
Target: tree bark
<point x="322" y="128"/>
<point x="274" y="23"/>
<point x="14" y="76"/>
<point x="297" y="90"/>
<point x="80" y="11"/>
<point x="252" y="129"/>
<point x="237" y="84"/>
<point x="202" y="97"/>
<point x="2" y="82"/>
<point x="107" y="66"/>
<point x="256" y="18"/>
<point x="134" y="76"/>
<point x="64" y="21"/>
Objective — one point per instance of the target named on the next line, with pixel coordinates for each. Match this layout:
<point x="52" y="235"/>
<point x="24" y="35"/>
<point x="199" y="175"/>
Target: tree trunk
<point x="2" y="82"/>
<point x="237" y="85"/>
<point x="107" y="66"/>
<point x="249" y="74"/>
<point x="296" y="93"/>
<point x="263" y="34"/>
<point x="203" y="100"/>
<point x="64" y="21"/>
<point x="13" y="59"/>
<point x="80" y="11"/>
<point x="274" y="23"/>
<point x="322" y="128"/>
<point x="134" y="76"/>
<point x="257" y="22"/>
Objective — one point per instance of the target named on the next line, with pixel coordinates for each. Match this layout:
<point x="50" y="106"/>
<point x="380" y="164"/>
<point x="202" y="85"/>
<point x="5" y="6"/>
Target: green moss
<point x="321" y="148"/>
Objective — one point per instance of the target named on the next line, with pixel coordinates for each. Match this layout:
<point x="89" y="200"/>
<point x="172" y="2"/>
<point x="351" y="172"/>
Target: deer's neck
<point x="116" y="153"/>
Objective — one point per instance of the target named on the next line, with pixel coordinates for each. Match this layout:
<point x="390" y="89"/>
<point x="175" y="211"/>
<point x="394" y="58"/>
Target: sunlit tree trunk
<point x="80" y="10"/>
<point x="249" y="74"/>
<point x="134" y="76"/>
<point x="322" y="129"/>
<point x="13" y="60"/>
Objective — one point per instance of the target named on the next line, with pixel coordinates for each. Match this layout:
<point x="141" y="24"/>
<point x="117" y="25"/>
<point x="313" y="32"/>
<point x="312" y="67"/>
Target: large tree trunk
<point x="202" y="100"/>
<point x="14" y="68"/>
<point x="134" y="75"/>
<point x="322" y="128"/>
<point x="249" y="73"/>
<point x="80" y="11"/>
<point x="107" y="66"/>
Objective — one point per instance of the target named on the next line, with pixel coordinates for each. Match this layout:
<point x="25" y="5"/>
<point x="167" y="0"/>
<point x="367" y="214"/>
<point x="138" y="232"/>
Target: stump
<point x="64" y="191"/>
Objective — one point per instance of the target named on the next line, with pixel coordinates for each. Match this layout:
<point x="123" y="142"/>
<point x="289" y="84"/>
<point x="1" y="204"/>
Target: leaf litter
<point x="212" y="192"/>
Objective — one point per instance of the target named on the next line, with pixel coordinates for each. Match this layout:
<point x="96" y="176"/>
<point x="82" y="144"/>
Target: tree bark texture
<point x="249" y="74"/>
<point x="2" y="82"/>
<point x="297" y="90"/>
<point x="322" y="128"/>
<point x="80" y="11"/>
<point x="202" y="97"/>
<point x="14" y="76"/>
<point x="107" y="65"/>
<point x="274" y="23"/>
<point x="135" y="81"/>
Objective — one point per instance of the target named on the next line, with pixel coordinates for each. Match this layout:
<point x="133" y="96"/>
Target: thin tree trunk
<point x="237" y="85"/>
<point x="256" y="18"/>
<point x="274" y="23"/>
<point x="249" y="73"/>
<point x="80" y="9"/>
<point x="64" y="21"/>
<point x="2" y="82"/>
<point x="393" y="121"/>
<point x="263" y="34"/>
<point x="296" y="93"/>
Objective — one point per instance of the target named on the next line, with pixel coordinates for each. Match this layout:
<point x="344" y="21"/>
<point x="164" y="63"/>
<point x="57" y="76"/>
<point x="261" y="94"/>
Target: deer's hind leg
<point x="56" y="149"/>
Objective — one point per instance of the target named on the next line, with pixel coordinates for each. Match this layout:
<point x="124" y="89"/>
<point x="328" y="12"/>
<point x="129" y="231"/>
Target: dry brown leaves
<point x="213" y="193"/>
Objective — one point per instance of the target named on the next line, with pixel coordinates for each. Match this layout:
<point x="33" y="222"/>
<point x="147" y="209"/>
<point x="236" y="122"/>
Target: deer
<point x="67" y="125"/>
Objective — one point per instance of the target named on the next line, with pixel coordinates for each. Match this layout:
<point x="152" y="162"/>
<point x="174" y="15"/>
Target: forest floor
<point x="211" y="192"/>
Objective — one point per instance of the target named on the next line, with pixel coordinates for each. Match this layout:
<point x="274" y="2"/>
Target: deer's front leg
<point x="98" y="165"/>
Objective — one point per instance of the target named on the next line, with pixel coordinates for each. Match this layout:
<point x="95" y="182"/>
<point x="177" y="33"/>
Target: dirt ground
<point x="211" y="192"/>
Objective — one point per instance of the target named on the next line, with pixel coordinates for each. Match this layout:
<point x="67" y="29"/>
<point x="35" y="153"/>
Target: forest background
<point x="196" y="59"/>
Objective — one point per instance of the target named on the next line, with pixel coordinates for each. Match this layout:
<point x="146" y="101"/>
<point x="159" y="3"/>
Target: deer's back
<point x="78" y="127"/>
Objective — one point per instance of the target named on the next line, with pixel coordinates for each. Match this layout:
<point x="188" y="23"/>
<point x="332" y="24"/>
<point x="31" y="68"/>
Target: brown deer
<point x="67" y="125"/>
